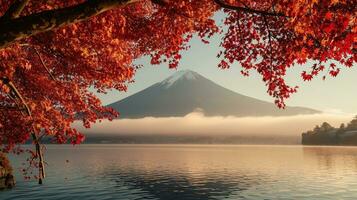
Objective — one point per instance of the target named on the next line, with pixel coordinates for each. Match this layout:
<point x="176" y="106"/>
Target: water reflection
<point x="178" y="186"/>
<point x="191" y="172"/>
<point x="188" y="172"/>
<point x="331" y="157"/>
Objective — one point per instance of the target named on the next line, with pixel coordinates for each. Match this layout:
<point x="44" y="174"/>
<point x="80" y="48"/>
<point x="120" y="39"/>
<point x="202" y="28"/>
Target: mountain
<point x="187" y="91"/>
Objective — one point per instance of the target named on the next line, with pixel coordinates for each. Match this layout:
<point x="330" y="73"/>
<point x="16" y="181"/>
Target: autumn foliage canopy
<point x="53" y="52"/>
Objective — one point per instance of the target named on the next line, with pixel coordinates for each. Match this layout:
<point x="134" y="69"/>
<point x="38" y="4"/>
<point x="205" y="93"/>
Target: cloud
<point x="197" y="123"/>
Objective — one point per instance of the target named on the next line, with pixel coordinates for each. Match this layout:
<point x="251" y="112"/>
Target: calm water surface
<point x="180" y="172"/>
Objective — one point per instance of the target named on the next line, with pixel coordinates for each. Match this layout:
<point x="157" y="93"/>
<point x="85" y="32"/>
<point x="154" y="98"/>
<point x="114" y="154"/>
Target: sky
<point x="334" y="95"/>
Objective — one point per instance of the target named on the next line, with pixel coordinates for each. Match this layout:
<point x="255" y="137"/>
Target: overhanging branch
<point x="15" y="28"/>
<point x="15" y="9"/>
<point x="248" y="10"/>
<point x="12" y="30"/>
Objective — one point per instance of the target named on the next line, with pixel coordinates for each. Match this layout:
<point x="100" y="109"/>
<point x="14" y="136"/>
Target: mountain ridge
<point x="186" y="91"/>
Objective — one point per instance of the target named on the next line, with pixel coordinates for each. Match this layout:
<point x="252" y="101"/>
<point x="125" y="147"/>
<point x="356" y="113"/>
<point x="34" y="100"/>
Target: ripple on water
<point x="193" y="172"/>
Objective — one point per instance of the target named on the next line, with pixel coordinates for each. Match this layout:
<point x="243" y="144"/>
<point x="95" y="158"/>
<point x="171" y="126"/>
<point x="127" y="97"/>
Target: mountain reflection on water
<point x="190" y="172"/>
<point x="176" y="186"/>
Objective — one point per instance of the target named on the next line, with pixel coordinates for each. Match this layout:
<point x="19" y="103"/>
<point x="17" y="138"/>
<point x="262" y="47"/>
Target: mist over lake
<point x="198" y="128"/>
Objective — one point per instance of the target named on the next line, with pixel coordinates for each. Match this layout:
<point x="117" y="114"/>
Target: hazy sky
<point x="333" y="95"/>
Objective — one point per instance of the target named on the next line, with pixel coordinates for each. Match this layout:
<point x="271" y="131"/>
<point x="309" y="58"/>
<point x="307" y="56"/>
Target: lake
<point x="180" y="172"/>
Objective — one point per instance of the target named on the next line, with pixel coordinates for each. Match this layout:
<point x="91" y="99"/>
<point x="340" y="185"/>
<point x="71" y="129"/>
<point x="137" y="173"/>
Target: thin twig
<point x="44" y="65"/>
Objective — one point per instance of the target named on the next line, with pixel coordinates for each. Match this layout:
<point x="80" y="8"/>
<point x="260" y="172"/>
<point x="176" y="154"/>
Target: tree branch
<point x="248" y="10"/>
<point x="12" y="30"/>
<point x="19" y="96"/>
<point x="15" y="9"/>
<point x="41" y="166"/>
<point x="159" y="2"/>
<point x="44" y="65"/>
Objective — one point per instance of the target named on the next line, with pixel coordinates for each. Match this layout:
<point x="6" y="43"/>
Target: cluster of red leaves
<point x="54" y="70"/>
<point x="314" y="30"/>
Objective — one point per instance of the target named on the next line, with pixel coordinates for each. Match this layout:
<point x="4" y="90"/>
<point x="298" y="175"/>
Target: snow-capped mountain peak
<point x="180" y="75"/>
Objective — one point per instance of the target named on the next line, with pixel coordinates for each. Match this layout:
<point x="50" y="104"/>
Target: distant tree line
<point x="329" y="135"/>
